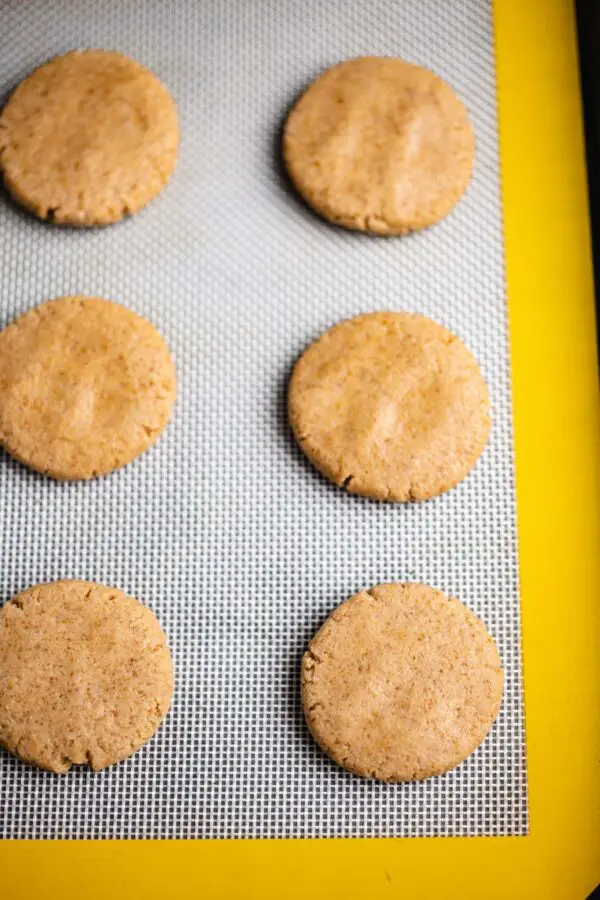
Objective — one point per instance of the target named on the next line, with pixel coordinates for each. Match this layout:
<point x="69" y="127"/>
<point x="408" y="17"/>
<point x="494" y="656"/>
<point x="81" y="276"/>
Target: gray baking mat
<point x="223" y="528"/>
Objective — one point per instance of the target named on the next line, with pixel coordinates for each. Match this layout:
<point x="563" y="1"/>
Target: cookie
<point x="391" y="406"/>
<point x="401" y="683"/>
<point x="88" y="138"/>
<point x="85" y="386"/>
<point x="85" y="675"/>
<point x="379" y="145"/>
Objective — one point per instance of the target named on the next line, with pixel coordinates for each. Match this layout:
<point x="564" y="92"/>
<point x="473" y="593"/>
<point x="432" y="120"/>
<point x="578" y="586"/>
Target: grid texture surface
<point x="223" y="529"/>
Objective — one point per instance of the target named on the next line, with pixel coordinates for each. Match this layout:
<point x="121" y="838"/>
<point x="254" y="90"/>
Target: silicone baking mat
<point x="223" y="529"/>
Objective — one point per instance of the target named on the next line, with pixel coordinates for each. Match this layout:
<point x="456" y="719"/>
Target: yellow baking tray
<point x="557" y="432"/>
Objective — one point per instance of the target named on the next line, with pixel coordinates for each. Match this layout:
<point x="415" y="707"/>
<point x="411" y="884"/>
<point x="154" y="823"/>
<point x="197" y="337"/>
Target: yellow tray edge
<point x="557" y="434"/>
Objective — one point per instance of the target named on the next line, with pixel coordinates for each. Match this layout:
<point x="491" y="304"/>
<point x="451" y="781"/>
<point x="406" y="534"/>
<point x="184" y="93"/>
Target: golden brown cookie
<point x="391" y="406"/>
<point x="377" y="144"/>
<point x="401" y="683"/>
<point x="85" y="386"/>
<point x="85" y="675"/>
<point x="88" y="138"/>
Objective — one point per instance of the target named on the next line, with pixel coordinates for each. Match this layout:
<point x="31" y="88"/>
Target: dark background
<point x="588" y="25"/>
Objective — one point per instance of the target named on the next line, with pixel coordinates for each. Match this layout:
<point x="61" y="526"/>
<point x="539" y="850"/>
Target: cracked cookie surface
<point x="380" y="145"/>
<point x="401" y="683"/>
<point x="88" y="138"/>
<point x="85" y="675"/>
<point x="86" y="385"/>
<point x="391" y="406"/>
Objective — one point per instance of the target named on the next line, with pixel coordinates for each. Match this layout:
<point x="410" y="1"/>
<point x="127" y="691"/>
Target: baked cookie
<point x="88" y="138"/>
<point x="85" y="675"/>
<point x="380" y="145"/>
<point x="85" y="386"/>
<point x="391" y="406"/>
<point x="401" y="683"/>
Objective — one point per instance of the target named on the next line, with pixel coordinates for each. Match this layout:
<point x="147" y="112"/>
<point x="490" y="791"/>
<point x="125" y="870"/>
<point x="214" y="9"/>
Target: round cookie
<point x="85" y="675"/>
<point x="377" y="144"/>
<point x="391" y="406"/>
<point x="401" y="683"/>
<point x="86" y="385"/>
<point x="88" y="138"/>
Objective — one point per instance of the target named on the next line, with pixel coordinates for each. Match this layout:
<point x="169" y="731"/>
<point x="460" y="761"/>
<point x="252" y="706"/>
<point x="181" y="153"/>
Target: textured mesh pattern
<point x="223" y="529"/>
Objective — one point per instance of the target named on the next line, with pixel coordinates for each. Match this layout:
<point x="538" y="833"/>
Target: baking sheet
<point x="223" y="529"/>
